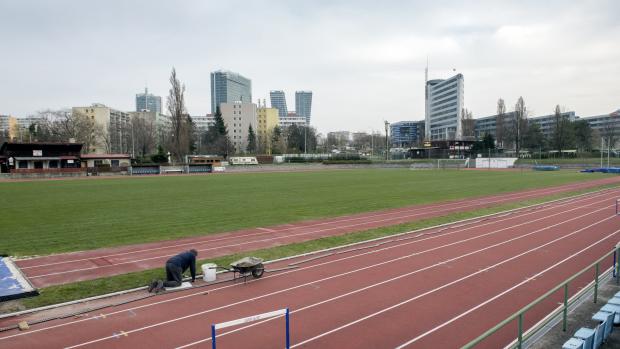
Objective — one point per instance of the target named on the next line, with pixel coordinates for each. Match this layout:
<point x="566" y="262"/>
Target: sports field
<point x="42" y="217"/>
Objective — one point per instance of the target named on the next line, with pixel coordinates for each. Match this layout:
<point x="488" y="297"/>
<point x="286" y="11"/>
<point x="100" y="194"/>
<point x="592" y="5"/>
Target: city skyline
<point x="560" y="52"/>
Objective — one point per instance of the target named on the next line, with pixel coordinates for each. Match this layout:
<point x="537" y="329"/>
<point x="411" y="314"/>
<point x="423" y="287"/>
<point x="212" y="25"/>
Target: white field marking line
<point x="232" y="245"/>
<point x="208" y="240"/>
<point x="269" y="230"/>
<point x="338" y="275"/>
<point x="504" y="292"/>
<point x="461" y="279"/>
<point x="315" y="266"/>
<point x="402" y="276"/>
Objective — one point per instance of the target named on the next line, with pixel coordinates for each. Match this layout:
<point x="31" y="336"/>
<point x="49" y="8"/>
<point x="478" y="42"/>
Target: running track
<point x="438" y="288"/>
<point x="86" y="265"/>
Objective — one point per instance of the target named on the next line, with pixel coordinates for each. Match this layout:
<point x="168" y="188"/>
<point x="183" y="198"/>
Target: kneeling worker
<point x="175" y="267"/>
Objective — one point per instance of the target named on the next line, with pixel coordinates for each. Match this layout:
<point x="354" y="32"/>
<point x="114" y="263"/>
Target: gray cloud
<point x="364" y="60"/>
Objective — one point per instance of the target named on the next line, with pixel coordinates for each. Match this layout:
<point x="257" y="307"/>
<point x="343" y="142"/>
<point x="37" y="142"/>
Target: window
<point x="22" y="164"/>
<point x="115" y="163"/>
<point x="53" y="164"/>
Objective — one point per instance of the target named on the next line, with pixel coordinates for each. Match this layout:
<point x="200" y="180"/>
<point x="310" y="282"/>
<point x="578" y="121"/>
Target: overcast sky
<point x="363" y="60"/>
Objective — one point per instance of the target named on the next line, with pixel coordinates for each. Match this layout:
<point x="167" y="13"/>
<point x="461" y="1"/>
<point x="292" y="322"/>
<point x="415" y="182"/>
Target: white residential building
<point x="203" y="122"/>
<point x="238" y="116"/>
<point x="292" y="119"/>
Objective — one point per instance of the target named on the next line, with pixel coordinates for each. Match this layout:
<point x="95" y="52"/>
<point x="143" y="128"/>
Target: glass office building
<point x="303" y="104"/>
<point x="148" y="102"/>
<point x="444" y="105"/>
<point x="229" y="87"/>
<point x="278" y="101"/>
<point x="406" y="134"/>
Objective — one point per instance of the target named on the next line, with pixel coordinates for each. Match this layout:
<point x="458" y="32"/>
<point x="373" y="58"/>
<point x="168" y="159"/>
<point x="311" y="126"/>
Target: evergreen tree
<point x="583" y="135"/>
<point x="216" y="137"/>
<point x="220" y="126"/>
<point x="251" y="148"/>
<point x="534" y="139"/>
<point x="488" y="141"/>
<point x="276" y="141"/>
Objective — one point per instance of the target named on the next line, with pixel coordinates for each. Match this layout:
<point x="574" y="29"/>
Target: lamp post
<point x="306" y="137"/>
<point x="387" y="146"/>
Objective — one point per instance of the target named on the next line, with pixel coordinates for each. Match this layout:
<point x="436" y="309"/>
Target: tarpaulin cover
<point x="13" y="284"/>
<point x="247" y="262"/>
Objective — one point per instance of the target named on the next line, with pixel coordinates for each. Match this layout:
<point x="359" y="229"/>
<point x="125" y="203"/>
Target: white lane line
<point x="457" y="281"/>
<point x="226" y="246"/>
<point x="585" y="198"/>
<point x="210" y="240"/>
<point x="397" y="278"/>
<point x="348" y="273"/>
<point x="267" y="230"/>
<point x="502" y="293"/>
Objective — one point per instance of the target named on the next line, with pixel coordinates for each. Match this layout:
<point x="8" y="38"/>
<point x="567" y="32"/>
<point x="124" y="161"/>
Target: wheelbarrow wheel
<point x="258" y="270"/>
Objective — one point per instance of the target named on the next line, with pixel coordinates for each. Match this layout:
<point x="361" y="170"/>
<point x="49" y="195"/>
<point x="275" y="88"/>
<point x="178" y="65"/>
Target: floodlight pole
<point x="387" y="147"/>
<point x="602" y="152"/>
<point x="608" y="149"/>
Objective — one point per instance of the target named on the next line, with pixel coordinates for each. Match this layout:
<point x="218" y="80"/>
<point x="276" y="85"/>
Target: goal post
<point x="452" y="163"/>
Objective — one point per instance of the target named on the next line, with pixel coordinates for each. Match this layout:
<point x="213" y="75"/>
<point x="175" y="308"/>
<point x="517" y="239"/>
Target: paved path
<point x="86" y="265"/>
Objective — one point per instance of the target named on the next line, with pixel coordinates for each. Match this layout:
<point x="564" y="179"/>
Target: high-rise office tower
<point x="229" y="87"/>
<point x="303" y="104"/>
<point x="444" y="105"/>
<point x="148" y="102"/>
<point x="278" y="101"/>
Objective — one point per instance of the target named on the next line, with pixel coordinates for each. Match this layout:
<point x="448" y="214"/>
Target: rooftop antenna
<point x="426" y="71"/>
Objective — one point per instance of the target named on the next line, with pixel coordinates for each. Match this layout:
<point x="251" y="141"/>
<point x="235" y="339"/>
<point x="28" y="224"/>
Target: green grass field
<point x="42" y="217"/>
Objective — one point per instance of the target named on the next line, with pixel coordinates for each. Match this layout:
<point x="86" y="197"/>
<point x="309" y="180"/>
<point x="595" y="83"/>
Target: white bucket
<point x="208" y="271"/>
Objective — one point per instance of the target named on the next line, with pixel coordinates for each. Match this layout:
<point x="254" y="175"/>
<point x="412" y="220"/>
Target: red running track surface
<point x="438" y="288"/>
<point x="87" y="265"/>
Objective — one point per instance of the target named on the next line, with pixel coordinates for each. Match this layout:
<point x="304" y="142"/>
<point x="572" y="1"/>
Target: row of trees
<point x="515" y="131"/>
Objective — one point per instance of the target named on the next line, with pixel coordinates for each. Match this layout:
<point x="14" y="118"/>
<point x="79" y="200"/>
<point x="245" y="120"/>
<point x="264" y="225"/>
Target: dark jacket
<point x="185" y="260"/>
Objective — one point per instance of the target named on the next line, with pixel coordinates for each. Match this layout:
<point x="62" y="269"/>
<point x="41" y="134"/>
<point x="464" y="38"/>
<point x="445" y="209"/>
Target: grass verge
<point x="79" y="290"/>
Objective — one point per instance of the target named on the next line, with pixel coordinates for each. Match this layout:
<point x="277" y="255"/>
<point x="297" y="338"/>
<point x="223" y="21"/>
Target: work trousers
<point x="174" y="275"/>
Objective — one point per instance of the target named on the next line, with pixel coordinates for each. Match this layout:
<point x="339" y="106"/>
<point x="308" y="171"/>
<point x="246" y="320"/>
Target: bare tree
<point x="144" y="134"/>
<point x="468" y="125"/>
<point x="609" y="131"/>
<point x="64" y="125"/>
<point x="519" y="125"/>
<point x="181" y="127"/>
<point x="500" y="120"/>
<point x="562" y="131"/>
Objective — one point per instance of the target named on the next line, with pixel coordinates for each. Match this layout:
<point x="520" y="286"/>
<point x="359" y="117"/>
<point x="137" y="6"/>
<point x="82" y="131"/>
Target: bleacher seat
<point x="614" y="301"/>
<point x="573" y="343"/>
<point x="609" y="326"/>
<point x="599" y="335"/>
<point x="610" y="308"/>
<point x="587" y="335"/>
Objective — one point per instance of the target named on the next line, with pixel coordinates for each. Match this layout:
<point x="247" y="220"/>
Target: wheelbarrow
<point x="245" y="267"/>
